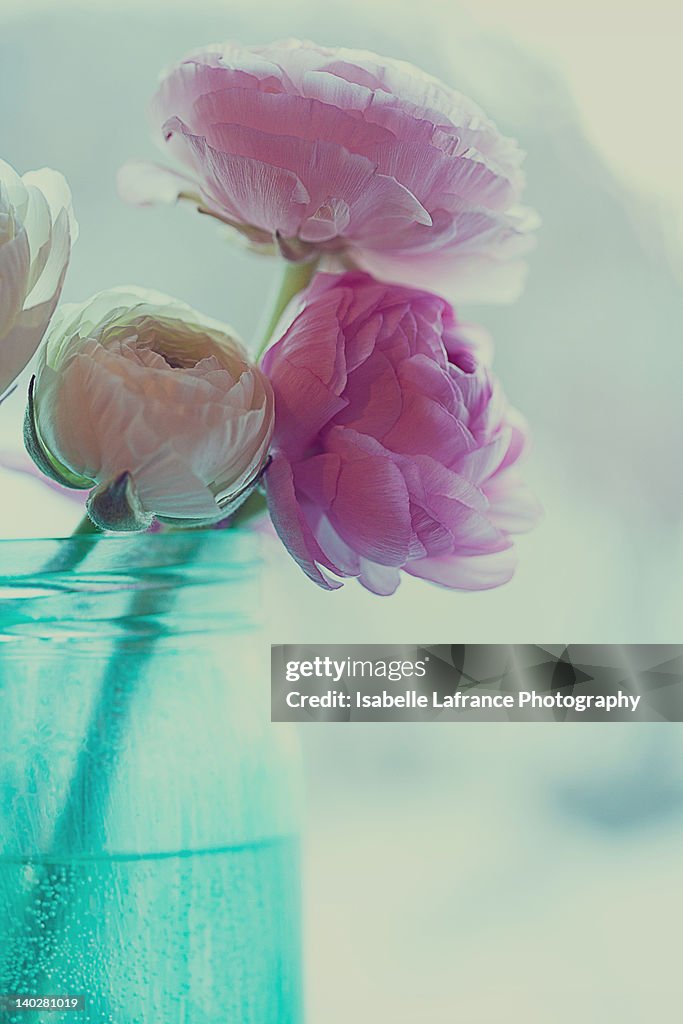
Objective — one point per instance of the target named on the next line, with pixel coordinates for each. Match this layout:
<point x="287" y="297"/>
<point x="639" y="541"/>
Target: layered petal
<point x="37" y="230"/>
<point x="290" y="520"/>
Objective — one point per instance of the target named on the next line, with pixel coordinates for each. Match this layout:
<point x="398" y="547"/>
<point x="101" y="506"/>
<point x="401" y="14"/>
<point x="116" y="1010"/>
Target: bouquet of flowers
<point x="369" y="423"/>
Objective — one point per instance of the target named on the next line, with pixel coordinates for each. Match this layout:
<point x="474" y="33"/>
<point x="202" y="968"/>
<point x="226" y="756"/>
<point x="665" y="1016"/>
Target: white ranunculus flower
<point x="155" y="406"/>
<point x="37" y="230"/>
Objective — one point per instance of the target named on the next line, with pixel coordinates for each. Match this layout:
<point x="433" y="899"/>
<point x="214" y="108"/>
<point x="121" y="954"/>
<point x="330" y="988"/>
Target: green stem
<point x="253" y="507"/>
<point x="71" y="553"/>
<point x="85" y="527"/>
<point x="81" y="823"/>
<point x="295" y="277"/>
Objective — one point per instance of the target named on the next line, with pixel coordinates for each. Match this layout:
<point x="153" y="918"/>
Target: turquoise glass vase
<point x="148" y="807"/>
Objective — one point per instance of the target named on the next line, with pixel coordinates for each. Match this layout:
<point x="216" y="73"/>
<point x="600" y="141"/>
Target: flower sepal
<point x="116" y="507"/>
<point x="294" y="250"/>
<point x="45" y="462"/>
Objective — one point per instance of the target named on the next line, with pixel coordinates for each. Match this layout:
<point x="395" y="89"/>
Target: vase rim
<point x="161" y="584"/>
<point x="153" y="537"/>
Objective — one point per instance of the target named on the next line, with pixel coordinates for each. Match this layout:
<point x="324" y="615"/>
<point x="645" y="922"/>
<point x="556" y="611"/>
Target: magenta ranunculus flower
<point x="394" y="447"/>
<point x="361" y="157"/>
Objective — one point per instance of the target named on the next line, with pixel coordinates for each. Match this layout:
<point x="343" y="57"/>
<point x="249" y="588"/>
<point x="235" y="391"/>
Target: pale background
<point x="481" y="873"/>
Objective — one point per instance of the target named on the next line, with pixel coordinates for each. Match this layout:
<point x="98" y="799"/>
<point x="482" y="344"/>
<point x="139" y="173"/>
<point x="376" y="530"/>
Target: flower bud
<point x="154" y="406"/>
<point x="37" y="229"/>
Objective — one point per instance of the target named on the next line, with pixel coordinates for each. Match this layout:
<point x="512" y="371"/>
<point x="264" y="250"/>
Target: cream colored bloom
<point x="154" y="405"/>
<point x="37" y="230"/>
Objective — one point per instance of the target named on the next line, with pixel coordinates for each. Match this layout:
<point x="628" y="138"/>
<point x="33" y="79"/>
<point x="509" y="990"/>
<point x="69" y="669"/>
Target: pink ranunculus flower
<point x="37" y="230"/>
<point x="394" y="448"/>
<point x="155" y="407"/>
<point x="365" y="159"/>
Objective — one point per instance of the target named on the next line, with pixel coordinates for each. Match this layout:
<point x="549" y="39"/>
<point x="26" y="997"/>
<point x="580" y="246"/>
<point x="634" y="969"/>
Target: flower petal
<point x="466" y="572"/>
<point x="142" y="183"/>
<point x="267" y="197"/>
<point x="291" y="524"/>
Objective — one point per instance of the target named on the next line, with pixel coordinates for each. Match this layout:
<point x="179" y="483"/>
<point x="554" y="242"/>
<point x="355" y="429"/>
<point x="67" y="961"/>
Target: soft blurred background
<point x="478" y="873"/>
